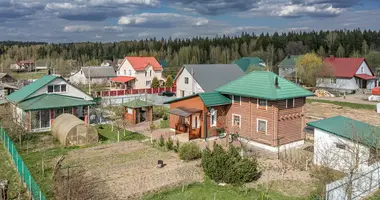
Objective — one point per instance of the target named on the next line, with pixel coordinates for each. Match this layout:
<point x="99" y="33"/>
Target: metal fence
<point x="357" y="187"/>
<point x="21" y="168"/>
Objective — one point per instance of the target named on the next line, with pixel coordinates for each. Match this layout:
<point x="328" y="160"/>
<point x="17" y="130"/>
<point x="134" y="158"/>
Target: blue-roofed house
<point x="36" y="105"/>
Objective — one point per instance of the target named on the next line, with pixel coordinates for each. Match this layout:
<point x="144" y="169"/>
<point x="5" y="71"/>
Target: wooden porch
<point x="189" y="122"/>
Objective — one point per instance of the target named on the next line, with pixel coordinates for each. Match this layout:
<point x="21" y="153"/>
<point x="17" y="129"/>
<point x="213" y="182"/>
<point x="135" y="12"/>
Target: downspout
<point x="205" y="123"/>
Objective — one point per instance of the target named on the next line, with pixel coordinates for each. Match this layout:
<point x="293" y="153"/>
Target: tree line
<point x="272" y="48"/>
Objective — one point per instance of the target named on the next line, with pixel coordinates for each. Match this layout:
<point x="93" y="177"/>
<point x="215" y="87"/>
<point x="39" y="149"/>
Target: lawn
<point x="106" y="134"/>
<point x="8" y="172"/>
<point x="344" y="104"/>
<point x="28" y="75"/>
<point x="209" y="190"/>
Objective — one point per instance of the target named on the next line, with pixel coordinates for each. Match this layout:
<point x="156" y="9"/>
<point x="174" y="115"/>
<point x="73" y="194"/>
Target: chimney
<point x="332" y="57"/>
<point x="276" y="82"/>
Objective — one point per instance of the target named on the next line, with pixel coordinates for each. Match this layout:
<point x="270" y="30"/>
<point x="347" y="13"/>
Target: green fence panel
<point x="21" y="168"/>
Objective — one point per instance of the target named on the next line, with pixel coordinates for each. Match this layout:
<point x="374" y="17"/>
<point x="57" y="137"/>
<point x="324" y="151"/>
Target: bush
<point x="161" y="141"/>
<point x="169" y="144"/>
<point x="228" y="166"/>
<point x="189" y="151"/>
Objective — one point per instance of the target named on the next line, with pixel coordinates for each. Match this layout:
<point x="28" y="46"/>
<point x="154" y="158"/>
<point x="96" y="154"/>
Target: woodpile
<point x="323" y="93"/>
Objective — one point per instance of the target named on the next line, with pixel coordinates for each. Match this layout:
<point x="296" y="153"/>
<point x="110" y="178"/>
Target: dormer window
<point x="57" y="88"/>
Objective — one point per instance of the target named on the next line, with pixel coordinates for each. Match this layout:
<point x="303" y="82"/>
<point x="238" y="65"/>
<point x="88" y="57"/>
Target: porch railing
<point x="112" y="93"/>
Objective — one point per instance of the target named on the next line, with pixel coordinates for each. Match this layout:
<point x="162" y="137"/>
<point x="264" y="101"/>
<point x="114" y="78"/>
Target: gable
<point x="71" y="90"/>
<point x="345" y="67"/>
<point x="192" y="85"/>
<point x="364" y="69"/>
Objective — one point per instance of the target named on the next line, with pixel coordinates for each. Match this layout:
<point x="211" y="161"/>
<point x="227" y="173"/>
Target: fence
<point x="362" y="184"/>
<point x="112" y="93"/>
<point x="21" y="168"/>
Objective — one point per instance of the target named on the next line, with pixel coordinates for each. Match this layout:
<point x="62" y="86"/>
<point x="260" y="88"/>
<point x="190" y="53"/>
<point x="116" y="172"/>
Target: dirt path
<point x="129" y="170"/>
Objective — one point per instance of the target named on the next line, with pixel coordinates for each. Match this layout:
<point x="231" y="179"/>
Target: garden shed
<point x="70" y="131"/>
<point x="137" y="111"/>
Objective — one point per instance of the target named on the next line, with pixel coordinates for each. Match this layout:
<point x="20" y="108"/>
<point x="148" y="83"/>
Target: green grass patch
<point x="208" y="190"/>
<point x="28" y="75"/>
<point x="164" y="123"/>
<point x="8" y="172"/>
<point x="344" y="104"/>
<point x="107" y="135"/>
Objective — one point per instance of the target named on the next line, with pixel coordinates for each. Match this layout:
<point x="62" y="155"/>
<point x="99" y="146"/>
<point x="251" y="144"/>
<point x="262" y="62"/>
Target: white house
<point x="36" y="105"/>
<point x="193" y="79"/>
<point x="345" y="144"/>
<point x="97" y="75"/>
<point x="347" y="74"/>
<point x="140" y="71"/>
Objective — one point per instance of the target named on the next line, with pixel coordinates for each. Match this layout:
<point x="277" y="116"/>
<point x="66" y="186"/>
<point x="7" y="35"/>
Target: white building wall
<point x="141" y="80"/>
<point x="327" y="154"/>
<point x="364" y="69"/>
<point x="79" y="78"/>
<point x="191" y="88"/>
<point x="341" y="83"/>
<point x="70" y="90"/>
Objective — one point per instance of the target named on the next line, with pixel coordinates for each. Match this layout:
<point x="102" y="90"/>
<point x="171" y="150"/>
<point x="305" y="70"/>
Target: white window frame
<point x="130" y="72"/>
<point x="186" y="82"/>
<point x="362" y="70"/>
<point x="294" y="102"/>
<point x="195" y="117"/>
<point x="258" y="104"/>
<point x="257" y="125"/>
<point x="233" y="99"/>
<point x="60" y="89"/>
<point x="130" y="111"/>
<point x="214" y="113"/>
<point x="232" y="120"/>
<point x="332" y="80"/>
<point x="125" y="72"/>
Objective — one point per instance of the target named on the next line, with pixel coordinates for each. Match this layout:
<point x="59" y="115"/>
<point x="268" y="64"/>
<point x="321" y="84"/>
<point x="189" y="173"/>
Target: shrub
<point x="176" y="147"/>
<point x="228" y="166"/>
<point x="189" y="151"/>
<point x="161" y="141"/>
<point x="169" y="144"/>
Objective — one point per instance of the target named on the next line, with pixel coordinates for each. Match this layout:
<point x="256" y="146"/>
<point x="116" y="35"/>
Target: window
<point x="261" y="126"/>
<point x="146" y="73"/>
<point x="68" y="110"/>
<point x="362" y="69"/>
<point x="118" y="72"/>
<point x="195" y="121"/>
<point x="130" y="111"/>
<point x="186" y="80"/>
<point x="150" y="73"/>
<point x="63" y="88"/>
<point x="340" y="146"/>
<point x="236" y="120"/>
<point x="262" y="104"/>
<point x="213" y="117"/>
<point x="286" y="103"/>
<point x="57" y="88"/>
<point x="50" y="88"/>
<point x="125" y="72"/>
<point x="294" y="103"/>
<point x="236" y="99"/>
<point x="130" y="72"/>
<point x="148" y="84"/>
<point x="333" y="80"/>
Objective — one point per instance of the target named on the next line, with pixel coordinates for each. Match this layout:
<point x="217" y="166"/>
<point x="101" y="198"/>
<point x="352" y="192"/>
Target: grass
<point x="164" y="123"/>
<point x="41" y="149"/>
<point x="8" y="172"/>
<point x="28" y="75"/>
<point x="208" y="190"/>
<point x="344" y="104"/>
<point x="107" y="135"/>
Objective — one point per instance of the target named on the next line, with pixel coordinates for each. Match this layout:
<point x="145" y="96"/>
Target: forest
<point x="272" y="48"/>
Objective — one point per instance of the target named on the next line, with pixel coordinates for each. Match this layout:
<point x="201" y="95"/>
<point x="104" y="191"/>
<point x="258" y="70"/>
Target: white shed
<point x="344" y="144"/>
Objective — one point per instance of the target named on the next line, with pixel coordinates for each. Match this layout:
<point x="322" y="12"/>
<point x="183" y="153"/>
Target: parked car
<point x="167" y="93"/>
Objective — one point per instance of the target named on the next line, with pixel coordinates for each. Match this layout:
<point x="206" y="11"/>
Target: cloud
<point x="214" y="7"/>
<point x="161" y="20"/>
<point x="322" y="10"/>
<point x="78" y="28"/>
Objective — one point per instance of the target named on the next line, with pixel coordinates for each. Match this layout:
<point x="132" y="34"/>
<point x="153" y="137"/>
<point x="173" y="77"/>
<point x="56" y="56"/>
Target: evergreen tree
<point x="169" y="82"/>
<point x="155" y="83"/>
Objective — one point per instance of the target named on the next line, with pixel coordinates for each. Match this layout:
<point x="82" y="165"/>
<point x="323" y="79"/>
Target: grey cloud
<point x="215" y="7"/>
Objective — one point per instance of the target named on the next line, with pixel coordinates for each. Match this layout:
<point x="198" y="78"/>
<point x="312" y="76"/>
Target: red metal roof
<point x="122" y="79"/>
<point x="365" y="76"/>
<point x="140" y="63"/>
<point x="344" y="67"/>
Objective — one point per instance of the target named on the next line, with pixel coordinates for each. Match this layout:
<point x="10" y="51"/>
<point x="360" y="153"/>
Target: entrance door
<point x="182" y="93"/>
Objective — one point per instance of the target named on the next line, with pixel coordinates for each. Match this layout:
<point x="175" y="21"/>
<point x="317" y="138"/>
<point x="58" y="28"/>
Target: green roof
<point x="26" y="91"/>
<point x="137" y="103"/>
<point x="289" y="61"/>
<point x="350" y="129"/>
<point x="261" y="84"/>
<point x="48" y="101"/>
<point x="208" y="98"/>
<point x="246" y="62"/>
<point x="163" y="63"/>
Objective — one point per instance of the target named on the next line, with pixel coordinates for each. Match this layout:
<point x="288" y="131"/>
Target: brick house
<point x="261" y="107"/>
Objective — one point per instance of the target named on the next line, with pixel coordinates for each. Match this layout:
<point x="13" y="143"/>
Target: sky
<point x="116" y="20"/>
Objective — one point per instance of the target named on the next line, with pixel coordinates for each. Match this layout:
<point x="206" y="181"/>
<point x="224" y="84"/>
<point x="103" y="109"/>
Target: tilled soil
<point x="129" y="169"/>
